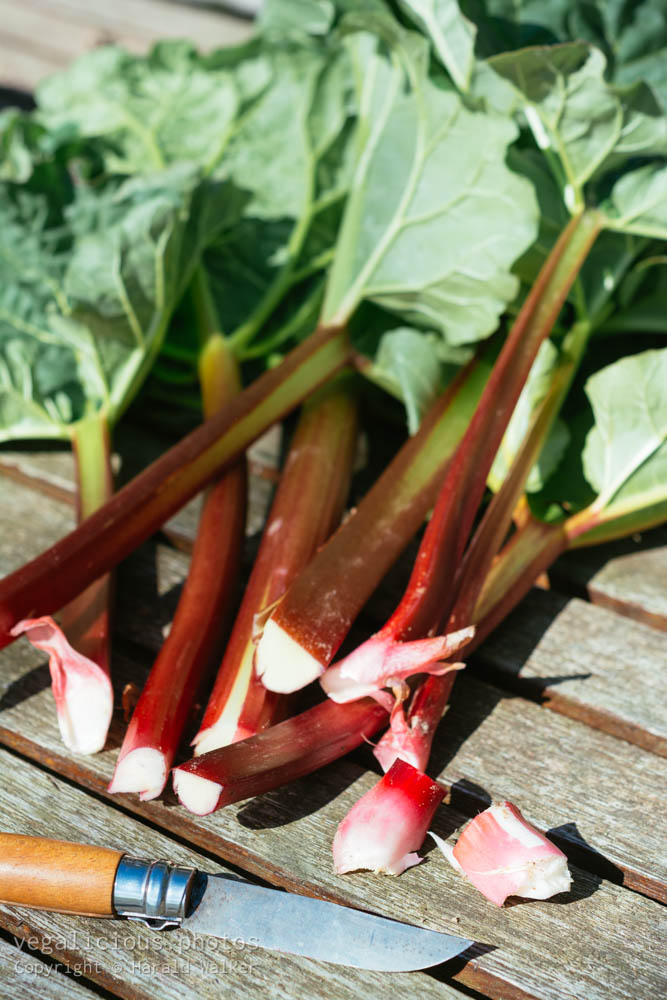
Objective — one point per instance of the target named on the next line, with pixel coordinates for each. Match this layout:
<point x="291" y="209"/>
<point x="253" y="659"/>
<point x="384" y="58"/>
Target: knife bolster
<point x="153" y="891"/>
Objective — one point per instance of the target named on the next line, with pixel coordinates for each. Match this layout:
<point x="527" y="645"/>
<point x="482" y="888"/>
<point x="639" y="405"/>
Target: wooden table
<point x="560" y="711"/>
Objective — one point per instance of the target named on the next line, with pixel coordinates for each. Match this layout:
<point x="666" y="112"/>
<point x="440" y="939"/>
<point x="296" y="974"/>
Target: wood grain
<point x="24" y="975"/>
<point x="39" y="37"/>
<point x="57" y="875"/>
<point x="285" y="837"/>
<point x="133" y="962"/>
<point x="629" y="576"/>
<point x="586" y="662"/>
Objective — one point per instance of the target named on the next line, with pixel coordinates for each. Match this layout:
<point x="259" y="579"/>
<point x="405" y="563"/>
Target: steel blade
<point x="240" y="911"/>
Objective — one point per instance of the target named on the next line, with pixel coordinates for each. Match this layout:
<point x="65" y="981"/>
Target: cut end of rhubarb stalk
<point x="199" y="795"/>
<point x="143" y="770"/>
<point x="504" y="855"/>
<point x="382" y="662"/>
<point x="82" y="690"/>
<point x="281" y="663"/>
<point x="384" y="829"/>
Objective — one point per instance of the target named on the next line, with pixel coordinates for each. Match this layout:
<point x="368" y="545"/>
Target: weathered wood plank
<point x="51" y="471"/>
<point x="25" y="976"/>
<point x="586" y="662"/>
<point x="599" y="941"/>
<point x="133" y="962"/>
<point x="563" y="773"/>
<point x="593" y="790"/>
<point x="628" y="576"/>
<point x="39" y="37"/>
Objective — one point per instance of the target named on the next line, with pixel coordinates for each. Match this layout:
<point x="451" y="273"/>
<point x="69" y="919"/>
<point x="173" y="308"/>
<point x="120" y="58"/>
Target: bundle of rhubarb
<point x="399" y="195"/>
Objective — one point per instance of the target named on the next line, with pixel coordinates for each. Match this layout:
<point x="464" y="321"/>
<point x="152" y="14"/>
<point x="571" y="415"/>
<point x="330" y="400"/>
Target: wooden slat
<point x="39" y="37"/>
<point x="25" y="976"/>
<point x="628" y="576"/>
<point x="134" y="962"/>
<point x="597" y="942"/>
<point x="566" y="775"/>
<point x="563" y="773"/>
<point x="586" y="662"/>
<point x="52" y="472"/>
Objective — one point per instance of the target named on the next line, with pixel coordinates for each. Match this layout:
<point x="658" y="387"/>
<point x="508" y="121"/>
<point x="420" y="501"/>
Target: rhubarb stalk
<point x="307" y="507"/>
<point x="134" y="512"/>
<point x="432" y="588"/>
<point x="78" y="650"/>
<point x="280" y="754"/>
<point x="311" y="621"/>
<point x="205" y="605"/>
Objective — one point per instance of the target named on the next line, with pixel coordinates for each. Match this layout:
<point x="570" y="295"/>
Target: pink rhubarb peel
<point x="504" y="855"/>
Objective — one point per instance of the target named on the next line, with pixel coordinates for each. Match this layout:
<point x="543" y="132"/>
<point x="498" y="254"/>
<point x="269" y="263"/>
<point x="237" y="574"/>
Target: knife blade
<point x="98" y="881"/>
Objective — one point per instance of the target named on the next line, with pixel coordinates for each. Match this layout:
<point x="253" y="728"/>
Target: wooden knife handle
<point x="57" y="875"/>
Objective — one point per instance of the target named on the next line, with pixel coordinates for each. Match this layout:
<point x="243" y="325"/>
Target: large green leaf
<point x="152" y="110"/>
<point x="87" y="286"/>
<point x="625" y="457"/>
<point x="631" y="33"/>
<point x="580" y="121"/>
<point x="638" y="202"/>
<point x="452" y="35"/>
<point x="435" y="218"/>
<point x="288" y="154"/>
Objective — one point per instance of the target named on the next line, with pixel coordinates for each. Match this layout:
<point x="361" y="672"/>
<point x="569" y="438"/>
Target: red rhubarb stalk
<point x="204" y="608"/>
<point x="308" y="505"/>
<point x="312" y="619"/>
<point x="308" y="630"/>
<point x="411" y="733"/>
<point x="134" y="512"/>
<point x="283" y="753"/>
<point x="79" y="649"/>
<point x="384" y="829"/>
<point x="432" y="588"/>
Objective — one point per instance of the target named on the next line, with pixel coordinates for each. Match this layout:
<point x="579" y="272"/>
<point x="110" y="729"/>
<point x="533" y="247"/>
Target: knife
<point x="101" y="882"/>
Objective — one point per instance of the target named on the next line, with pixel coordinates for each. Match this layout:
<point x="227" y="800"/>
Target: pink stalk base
<point x="382" y="662"/>
<point x="504" y="855"/>
<point x="81" y="688"/>
<point x="388" y="824"/>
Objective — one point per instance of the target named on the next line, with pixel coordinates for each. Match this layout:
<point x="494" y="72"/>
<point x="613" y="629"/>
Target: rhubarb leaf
<point x="632" y="35"/>
<point x="434" y="219"/>
<point x="534" y="392"/>
<point x="284" y="225"/>
<point x="406" y="364"/>
<point x="451" y="34"/>
<point x="87" y="286"/>
<point x="625" y="456"/>
<point x="638" y="203"/>
<point x="576" y="117"/>
<point x="296" y="17"/>
<point x="151" y="110"/>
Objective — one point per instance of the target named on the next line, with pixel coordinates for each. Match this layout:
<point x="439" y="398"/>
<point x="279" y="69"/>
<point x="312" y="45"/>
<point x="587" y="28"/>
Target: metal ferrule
<point x="153" y="891"/>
